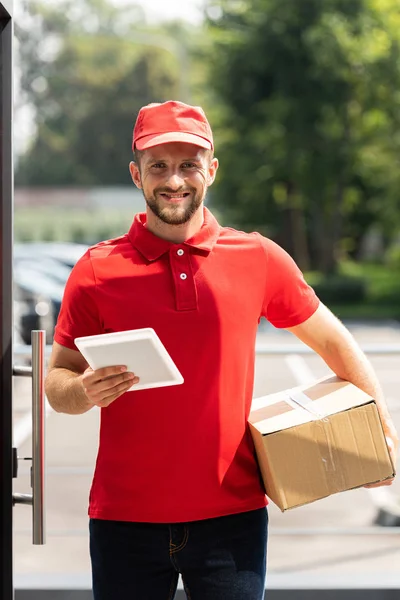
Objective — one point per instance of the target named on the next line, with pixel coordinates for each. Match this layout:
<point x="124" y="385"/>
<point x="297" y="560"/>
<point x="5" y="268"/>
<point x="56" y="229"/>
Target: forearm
<point x="65" y="392"/>
<point x="348" y="361"/>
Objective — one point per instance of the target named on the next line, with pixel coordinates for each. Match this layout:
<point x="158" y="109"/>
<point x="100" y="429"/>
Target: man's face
<point x="174" y="179"/>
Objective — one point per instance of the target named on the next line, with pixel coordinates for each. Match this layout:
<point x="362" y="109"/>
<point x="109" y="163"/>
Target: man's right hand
<point x="103" y="386"/>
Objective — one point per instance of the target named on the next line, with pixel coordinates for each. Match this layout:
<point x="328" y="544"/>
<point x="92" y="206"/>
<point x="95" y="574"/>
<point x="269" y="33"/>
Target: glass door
<point x="6" y="179"/>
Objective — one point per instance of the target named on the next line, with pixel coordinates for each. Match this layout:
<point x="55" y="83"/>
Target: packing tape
<point x="298" y="399"/>
<point x="330" y="459"/>
<point x="301" y="400"/>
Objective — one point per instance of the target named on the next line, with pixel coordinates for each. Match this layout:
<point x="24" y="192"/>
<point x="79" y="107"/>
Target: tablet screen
<point x="141" y="350"/>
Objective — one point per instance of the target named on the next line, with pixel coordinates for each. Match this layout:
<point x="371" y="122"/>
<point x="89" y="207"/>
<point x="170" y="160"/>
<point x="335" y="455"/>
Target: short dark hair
<point x="137" y="155"/>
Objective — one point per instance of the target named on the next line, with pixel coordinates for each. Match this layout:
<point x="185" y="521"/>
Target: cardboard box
<point x="315" y="441"/>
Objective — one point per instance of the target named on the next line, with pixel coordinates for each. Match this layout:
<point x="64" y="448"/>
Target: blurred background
<point x="304" y="100"/>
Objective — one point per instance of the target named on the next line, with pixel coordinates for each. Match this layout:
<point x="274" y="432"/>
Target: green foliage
<point x="392" y="257"/>
<point x="310" y="100"/>
<point x="383" y="281"/>
<point x="340" y="289"/>
<point x="378" y="288"/>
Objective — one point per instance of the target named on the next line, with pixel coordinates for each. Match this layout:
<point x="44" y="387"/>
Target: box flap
<point x="304" y="404"/>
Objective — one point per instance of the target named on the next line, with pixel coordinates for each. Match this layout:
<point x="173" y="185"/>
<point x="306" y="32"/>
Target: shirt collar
<point x="152" y="247"/>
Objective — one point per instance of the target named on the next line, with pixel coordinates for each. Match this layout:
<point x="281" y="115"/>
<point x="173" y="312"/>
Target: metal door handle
<point x="38" y="436"/>
<point x="37" y="498"/>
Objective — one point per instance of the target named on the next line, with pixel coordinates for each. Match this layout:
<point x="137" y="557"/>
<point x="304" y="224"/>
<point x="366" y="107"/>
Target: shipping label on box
<point x="317" y="440"/>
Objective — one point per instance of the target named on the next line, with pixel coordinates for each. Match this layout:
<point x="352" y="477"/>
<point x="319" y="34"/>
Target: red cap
<point x="171" y="122"/>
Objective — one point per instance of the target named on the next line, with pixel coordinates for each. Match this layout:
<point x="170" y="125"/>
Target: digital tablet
<point x="141" y="350"/>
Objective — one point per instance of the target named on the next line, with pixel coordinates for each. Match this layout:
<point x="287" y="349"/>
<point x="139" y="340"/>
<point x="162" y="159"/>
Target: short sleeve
<point x="288" y="300"/>
<point x="79" y="315"/>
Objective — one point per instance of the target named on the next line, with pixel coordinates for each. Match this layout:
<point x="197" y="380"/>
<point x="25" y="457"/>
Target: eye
<point x="189" y="165"/>
<point x="158" y="166"/>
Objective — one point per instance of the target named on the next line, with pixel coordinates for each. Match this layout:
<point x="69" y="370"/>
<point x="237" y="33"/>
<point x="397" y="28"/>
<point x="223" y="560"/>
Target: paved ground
<point x="331" y="543"/>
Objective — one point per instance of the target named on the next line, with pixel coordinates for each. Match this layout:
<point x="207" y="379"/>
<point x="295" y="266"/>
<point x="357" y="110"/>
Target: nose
<point x="175" y="181"/>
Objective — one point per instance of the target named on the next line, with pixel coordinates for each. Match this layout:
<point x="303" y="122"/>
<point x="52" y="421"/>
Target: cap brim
<point x="149" y="141"/>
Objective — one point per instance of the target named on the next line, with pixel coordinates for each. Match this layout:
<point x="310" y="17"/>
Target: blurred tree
<point x="86" y="75"/>
<point x="308" y="122"/>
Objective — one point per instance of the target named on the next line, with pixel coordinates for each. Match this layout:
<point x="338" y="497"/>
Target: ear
<point x="212" y="171"/>
<point x="135" y="174"/>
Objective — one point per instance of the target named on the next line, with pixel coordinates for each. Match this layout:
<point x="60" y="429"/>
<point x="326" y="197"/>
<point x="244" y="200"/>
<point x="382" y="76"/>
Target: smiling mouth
<point x="175" y="197"/>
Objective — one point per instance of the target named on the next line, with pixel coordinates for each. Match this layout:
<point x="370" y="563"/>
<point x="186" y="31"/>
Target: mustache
<point x="181" y="190"/>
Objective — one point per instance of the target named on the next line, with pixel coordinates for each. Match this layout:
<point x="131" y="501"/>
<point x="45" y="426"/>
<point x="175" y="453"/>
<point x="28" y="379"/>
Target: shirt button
<point x="180" y="252"/>
<point x="183" y="276"/>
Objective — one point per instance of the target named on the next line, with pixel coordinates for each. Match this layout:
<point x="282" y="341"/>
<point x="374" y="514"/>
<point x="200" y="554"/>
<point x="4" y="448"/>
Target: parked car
<point x="39" y="298"/>
<point x="40" y="273"/>
<point x="66" y="253"/>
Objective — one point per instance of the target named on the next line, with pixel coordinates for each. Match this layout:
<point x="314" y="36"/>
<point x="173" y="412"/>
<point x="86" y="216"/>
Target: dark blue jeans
<point x="219" y="559"/>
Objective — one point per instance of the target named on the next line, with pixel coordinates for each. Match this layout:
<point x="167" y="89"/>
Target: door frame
<point x="6" y="301"/>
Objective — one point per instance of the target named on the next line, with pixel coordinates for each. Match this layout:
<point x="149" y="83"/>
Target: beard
<point x="174" y="214"/>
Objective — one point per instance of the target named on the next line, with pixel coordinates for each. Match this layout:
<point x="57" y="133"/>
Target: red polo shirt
<point x="184" y="452"/>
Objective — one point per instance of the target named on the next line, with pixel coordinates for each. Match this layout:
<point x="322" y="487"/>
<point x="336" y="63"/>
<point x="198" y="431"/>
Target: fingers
<point x="92" y="376"/>
<point x="103" y="386"/>
<point x="380" y="483"/>
<point x="117" y="392"/>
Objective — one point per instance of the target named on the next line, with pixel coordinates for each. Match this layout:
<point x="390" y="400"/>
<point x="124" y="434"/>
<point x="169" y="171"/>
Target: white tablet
<point x="141" y="350"/>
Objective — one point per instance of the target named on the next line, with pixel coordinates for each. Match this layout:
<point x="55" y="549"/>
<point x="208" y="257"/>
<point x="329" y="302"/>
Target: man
<point x="176" y="487"/>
